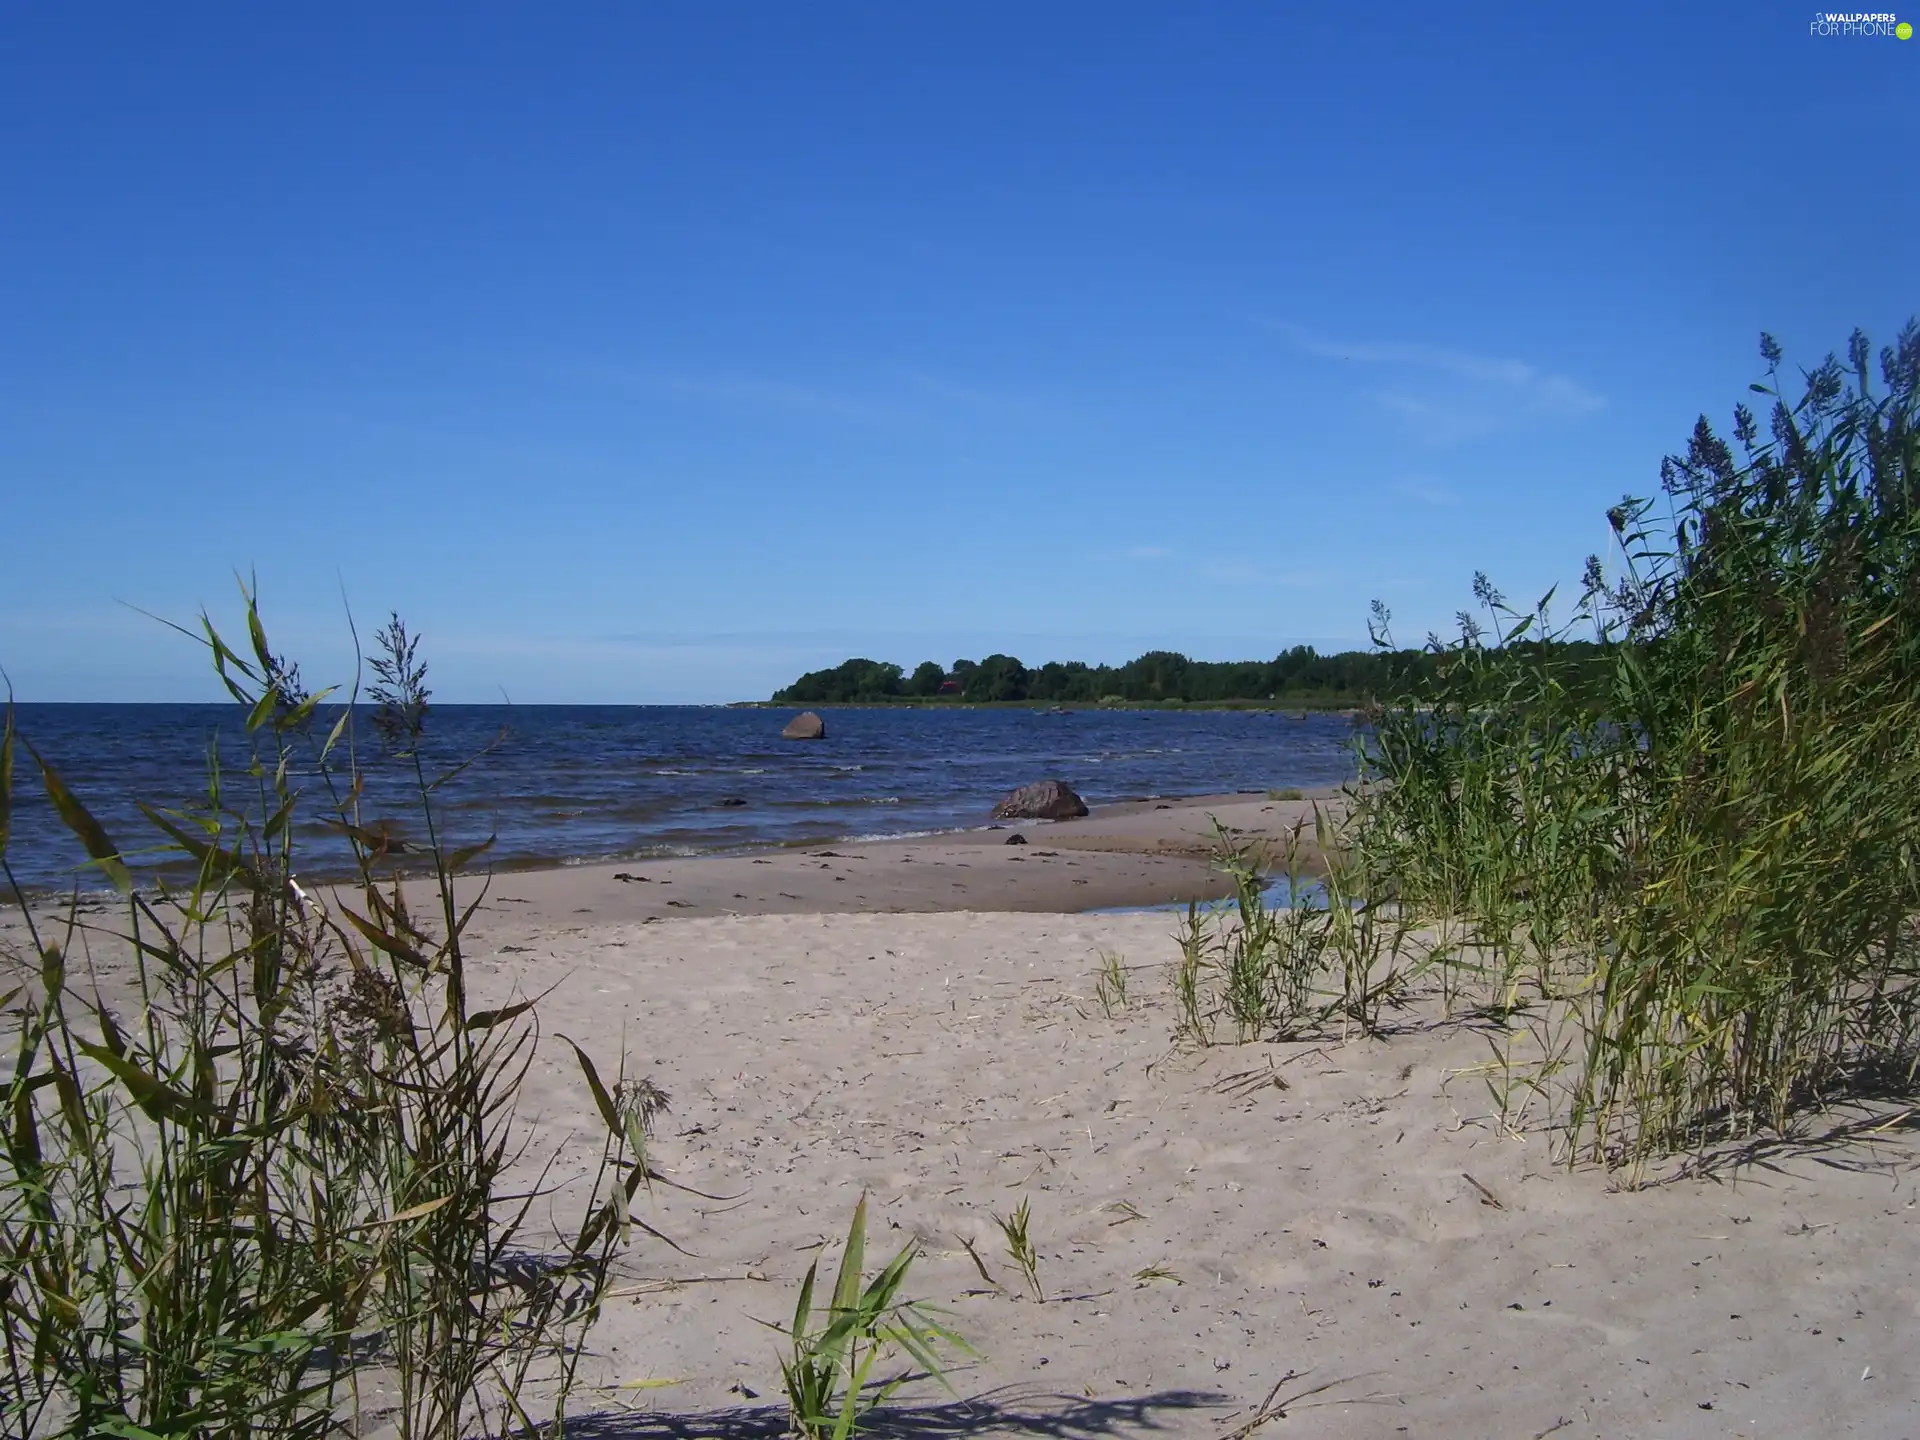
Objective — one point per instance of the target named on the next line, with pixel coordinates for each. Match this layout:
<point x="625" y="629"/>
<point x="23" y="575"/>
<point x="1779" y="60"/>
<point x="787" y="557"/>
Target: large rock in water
<point x="805" y="726"/>
<point x="1048" y="800"/>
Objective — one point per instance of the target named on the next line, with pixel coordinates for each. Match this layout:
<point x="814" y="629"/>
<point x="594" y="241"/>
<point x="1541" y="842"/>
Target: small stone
<point x="1015" y="839"/>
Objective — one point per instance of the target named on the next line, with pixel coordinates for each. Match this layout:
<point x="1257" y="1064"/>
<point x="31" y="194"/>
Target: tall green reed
<point x="266" y="1178"/>
<point x="1702" y="848"/>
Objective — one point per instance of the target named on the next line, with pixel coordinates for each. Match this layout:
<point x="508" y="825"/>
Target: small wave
<point x="643" y="852"/>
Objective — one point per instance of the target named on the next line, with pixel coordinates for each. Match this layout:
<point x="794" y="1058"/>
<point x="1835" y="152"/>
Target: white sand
<point x="950" y="1064"/>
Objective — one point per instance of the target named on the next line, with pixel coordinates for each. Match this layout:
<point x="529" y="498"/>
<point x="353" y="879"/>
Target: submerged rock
<point x="1047" y="800"/>
<point x="805" y="726"/>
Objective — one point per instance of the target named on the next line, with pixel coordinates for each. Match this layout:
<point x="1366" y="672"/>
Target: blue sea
<point x="568" y="784"/>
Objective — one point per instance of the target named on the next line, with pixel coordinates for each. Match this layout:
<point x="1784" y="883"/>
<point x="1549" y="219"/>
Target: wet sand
<point x="1139" y="853"/>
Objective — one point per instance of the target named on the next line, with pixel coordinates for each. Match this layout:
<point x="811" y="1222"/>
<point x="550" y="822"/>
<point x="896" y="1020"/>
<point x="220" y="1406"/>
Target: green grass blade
<point x="80" y="821"/>
<point x="846" y="1285"/>
<point x="6" y="779"/>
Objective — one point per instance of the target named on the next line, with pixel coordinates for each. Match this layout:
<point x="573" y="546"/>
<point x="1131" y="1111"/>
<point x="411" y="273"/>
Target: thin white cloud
<point x="890" y="396"/>
<point x="1447" y="395"/>
<point x="782" y="397"/>
<point x="598" y="650"/>
<point x="75" y="622"/>
<point x="1437" y="421"/>
<point x="971" y="397"/>
<point x="746" y="392"/>
<point x="1426" y="493"/>
<point x="1243" y="572"/>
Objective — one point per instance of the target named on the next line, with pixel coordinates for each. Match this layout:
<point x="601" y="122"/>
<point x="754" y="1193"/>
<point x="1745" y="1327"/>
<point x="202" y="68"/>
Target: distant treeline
<point x="1300" y="675"/>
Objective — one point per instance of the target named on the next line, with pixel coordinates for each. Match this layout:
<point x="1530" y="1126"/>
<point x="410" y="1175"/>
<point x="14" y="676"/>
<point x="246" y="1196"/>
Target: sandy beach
<point x="1207" y="1223"/>
<point x="1344" y="1220"/>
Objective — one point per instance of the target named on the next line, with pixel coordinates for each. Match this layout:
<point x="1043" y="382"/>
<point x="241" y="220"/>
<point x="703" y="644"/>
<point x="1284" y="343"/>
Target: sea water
<point x="565" y="784"/>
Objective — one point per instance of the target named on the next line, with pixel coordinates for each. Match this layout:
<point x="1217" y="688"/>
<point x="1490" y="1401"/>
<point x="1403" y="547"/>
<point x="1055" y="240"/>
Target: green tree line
<point x="1299" y="675"/>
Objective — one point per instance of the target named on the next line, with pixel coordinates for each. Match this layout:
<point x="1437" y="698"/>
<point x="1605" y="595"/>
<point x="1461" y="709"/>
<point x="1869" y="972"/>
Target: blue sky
<point x="657" y="352"/>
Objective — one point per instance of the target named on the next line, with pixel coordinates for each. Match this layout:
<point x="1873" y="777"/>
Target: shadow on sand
<point x="1012" y="1411"/>
<point x="1843" y="1145"/>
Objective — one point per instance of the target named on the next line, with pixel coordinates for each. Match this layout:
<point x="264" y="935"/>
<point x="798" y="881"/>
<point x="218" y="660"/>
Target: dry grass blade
<point x="1487" y="1197"/>
<point x="1247" y="1082"/>
<point x="980" y="1265"/>
<point x="1274" y="1408"/>
<point x="1126" y="1210"/>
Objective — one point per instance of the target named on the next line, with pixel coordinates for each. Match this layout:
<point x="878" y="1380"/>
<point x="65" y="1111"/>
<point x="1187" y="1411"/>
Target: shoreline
<point x="1126" y="854"/>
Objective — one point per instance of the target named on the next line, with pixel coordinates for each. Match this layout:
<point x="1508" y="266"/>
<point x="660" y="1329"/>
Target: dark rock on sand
<point x="806" y="726"/>
<point x="1015" y="839"/>
<point x="1047" y="800"/>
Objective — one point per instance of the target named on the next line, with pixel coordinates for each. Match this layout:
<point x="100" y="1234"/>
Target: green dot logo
<point x="1903" y="30"/>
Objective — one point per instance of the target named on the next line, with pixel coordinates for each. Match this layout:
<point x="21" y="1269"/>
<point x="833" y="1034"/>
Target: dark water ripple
<point x="578" y="783"/>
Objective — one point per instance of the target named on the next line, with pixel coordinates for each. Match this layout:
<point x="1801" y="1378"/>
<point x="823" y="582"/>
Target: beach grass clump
<point x="829" y="1370"/>
<point x="1016" y="1230"/>
<point x="260" y="1171"/>
<point x="1194" y="1006"/>
<point x="1696" y="861"/>
<point x="1110" y="984"/>
<point x="1332" y="957"/>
